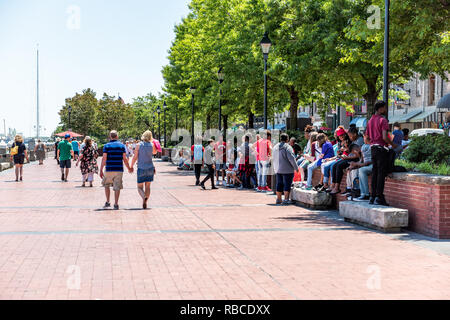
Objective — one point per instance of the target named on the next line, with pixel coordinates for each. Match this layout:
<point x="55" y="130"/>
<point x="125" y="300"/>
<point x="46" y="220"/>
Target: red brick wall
<point x="428" y="204"/>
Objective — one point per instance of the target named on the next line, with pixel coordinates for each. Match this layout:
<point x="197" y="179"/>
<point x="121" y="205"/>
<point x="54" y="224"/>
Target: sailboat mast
<point x="37" y="94"/>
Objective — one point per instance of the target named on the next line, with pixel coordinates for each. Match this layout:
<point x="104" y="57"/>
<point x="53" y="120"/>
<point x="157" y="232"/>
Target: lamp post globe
<point x="265" y="44"/>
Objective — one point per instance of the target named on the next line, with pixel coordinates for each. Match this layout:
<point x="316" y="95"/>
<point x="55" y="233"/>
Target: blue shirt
<point x="75" y="146"/>
<point x="145" y="157"/>
<point x="398" y="137"/>
<point x="115" y="151"/>
<point x="327" y="151"/>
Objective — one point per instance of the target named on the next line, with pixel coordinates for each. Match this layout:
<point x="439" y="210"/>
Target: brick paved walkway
<point x="56" y="243"/>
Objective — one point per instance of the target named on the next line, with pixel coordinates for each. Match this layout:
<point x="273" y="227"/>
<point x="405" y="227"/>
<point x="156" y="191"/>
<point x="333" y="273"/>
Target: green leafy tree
<point x="84" y="113"/>
<point x="113" y="114"/>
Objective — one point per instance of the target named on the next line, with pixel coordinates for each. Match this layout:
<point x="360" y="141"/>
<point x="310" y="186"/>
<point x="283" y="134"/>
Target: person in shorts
<point x="284" y="166"/>
<point x="221" y="159"/>
<point x="114" y="156"/>
<point x="76" y="149"/>
<point x="19" y="156"/>
<point x="65" y="154"/>
<point x="143" y="155"/>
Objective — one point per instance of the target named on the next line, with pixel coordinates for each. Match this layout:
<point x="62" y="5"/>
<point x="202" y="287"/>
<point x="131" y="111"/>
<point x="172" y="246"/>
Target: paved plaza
<point x="57" y="243"/>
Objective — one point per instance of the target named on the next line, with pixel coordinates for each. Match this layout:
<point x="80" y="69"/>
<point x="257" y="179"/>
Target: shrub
<point x="442" y="169"/>
<point x="432" y="148"/>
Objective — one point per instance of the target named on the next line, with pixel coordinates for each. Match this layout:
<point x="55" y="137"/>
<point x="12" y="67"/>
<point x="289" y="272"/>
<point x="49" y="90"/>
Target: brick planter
<point x="427" y="198"/>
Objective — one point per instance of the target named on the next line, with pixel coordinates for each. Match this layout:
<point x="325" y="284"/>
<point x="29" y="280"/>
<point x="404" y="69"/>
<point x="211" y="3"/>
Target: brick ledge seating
<point x="425" y="196"/>
<point x="311" y="199"/>
<point x="386" y="219"/>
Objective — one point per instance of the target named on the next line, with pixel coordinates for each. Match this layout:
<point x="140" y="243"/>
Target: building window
<point x="431" y="90"/>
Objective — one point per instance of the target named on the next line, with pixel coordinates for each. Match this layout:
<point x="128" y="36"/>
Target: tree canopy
<point x="326" y="51"/>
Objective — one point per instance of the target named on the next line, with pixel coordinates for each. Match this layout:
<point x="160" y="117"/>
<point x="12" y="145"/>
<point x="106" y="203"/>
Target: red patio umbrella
<point x="72" y="134"/>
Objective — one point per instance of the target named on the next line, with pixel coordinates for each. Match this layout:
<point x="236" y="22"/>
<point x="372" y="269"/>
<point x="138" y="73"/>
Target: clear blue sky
<point x="117" y="46"/>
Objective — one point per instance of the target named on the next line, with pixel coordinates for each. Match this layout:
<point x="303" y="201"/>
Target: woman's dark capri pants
<point x="338" y="169"/>
<point x="284" y="182"/>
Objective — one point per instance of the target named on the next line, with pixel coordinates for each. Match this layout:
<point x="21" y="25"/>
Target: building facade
<point x="419" y="111"/>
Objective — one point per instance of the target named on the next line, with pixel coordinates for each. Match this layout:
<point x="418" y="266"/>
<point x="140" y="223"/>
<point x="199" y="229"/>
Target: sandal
<point x="144" y="205"/>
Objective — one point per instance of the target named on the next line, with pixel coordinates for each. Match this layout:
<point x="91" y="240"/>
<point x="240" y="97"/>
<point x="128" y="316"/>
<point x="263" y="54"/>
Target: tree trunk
<point x="293" y="110"/>
<point x="371" y="96"/>
<point x="250" y="120"/>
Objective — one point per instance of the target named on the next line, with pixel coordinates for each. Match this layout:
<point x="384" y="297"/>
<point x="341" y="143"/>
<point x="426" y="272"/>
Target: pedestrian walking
<point x="76" y="149"/>
<point x="129" y="150"/>
<point x="197" y="151"/>
<point x="40" y="151"/>
<point x="88" y="159"/>
<point x="285" y="166"/>
<point x="58" y="140"/>
<point x="209" y="160"/>
<point x="377" y="130"/>
<point x="65" y="154"/>
<point x="143" y="155"/>
<point x="114" y="157"/>
<point x="18" y="155"/>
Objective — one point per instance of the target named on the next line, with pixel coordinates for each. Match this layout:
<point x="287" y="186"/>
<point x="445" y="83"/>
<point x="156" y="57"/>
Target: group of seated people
<point x="349" y="152"/>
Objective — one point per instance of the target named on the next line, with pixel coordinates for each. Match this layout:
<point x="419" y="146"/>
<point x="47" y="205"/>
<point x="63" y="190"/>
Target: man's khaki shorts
<point x="113" y="179"/>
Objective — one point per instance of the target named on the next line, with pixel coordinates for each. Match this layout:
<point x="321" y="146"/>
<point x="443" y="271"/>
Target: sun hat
<point x="340" y="132"/>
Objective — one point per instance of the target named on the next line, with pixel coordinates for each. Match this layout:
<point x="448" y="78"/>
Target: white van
<point x="426" y="131"/>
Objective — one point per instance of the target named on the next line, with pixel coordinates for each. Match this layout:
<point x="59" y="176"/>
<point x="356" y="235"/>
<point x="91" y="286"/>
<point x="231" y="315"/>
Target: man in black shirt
<point x="209" y="160"/>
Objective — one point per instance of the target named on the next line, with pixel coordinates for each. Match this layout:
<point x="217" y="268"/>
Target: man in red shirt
<point x="377" y="131"/>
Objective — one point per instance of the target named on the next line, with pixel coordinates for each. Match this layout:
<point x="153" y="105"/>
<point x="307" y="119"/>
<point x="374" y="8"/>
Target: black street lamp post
<point x="265" y="47"/>
<point x="165" y="137"/>
<point x="158" y="110"/>
<point x="153" y="124"/>
<point x="220" y="77"/>
<point x="192" y="90"/>
<point x="386" y="55"/>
